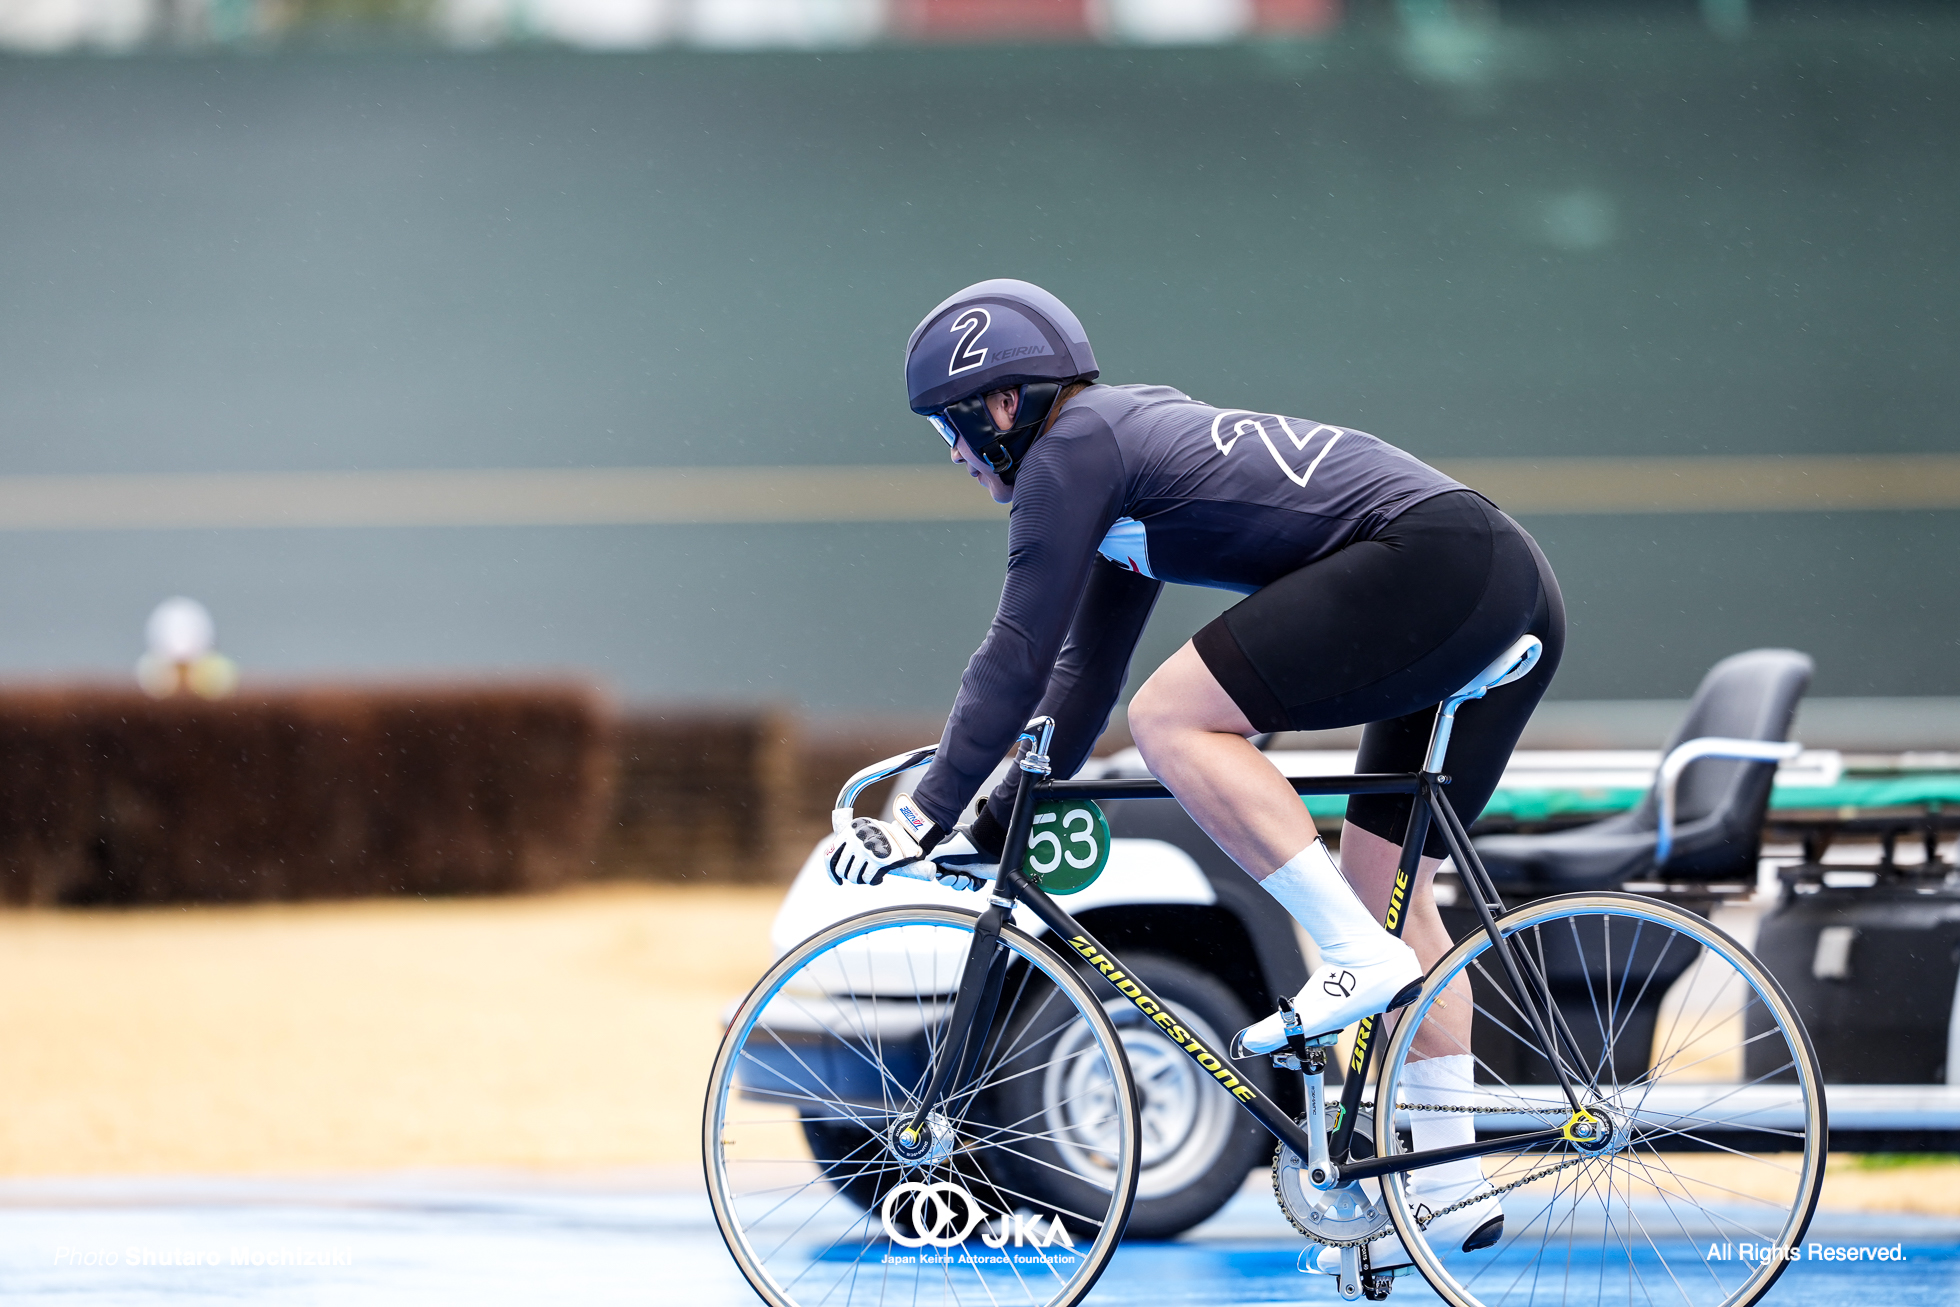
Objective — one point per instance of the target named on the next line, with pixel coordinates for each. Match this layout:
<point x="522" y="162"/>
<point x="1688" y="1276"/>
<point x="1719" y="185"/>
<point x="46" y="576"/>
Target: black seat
<point x="1719" y="803"/>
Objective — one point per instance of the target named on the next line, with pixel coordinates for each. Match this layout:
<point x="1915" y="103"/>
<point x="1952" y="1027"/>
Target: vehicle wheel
<point x="1708" y="1124"/>
<point x="1196" y="1145"/>
<point x="825" y="1060"/>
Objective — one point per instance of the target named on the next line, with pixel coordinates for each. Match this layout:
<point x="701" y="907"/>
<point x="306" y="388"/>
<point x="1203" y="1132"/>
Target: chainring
<point x="1339" y="1217"/>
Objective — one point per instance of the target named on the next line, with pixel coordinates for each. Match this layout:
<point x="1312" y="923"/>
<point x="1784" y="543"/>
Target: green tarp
<point x="1848" y="797"/>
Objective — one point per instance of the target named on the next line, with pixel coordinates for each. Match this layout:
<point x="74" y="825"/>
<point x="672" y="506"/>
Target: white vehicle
<point x="1194" y="928"/>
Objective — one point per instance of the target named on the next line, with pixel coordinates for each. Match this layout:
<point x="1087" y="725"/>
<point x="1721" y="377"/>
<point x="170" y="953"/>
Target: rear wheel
<point x="813" y="1185"/>
<point x="1704" y="1113"/>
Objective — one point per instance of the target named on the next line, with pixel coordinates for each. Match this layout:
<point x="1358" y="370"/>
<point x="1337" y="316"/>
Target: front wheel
<point x="821" y="1198"/>
<point x="1692" y="1168"/>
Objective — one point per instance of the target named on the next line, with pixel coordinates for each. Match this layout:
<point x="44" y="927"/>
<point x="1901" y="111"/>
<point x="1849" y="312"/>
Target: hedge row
<point x="112" y="797"/>
<point x="737" y="796"/>
<point x="109" y="797"/>
<point x="704" y="796"/>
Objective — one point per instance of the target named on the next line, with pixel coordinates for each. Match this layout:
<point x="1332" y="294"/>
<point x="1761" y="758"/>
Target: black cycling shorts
<point x="1383" y="630"/>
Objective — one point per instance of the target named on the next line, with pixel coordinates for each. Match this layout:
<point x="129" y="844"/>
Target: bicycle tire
<point x="1711" y="1164"/>
<point x="842" y="1034"/>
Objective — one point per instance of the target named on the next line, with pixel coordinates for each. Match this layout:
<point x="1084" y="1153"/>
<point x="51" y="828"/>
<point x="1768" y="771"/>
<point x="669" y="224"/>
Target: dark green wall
<point x="1627" y="240"/>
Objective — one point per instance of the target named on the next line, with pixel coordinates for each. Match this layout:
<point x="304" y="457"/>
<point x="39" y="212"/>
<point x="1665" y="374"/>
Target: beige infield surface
<point x="563" y="1032"/>
<point x="571" y="1030"/>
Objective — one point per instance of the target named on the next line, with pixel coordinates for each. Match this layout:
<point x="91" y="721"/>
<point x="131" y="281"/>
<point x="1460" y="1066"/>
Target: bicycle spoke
<point x="837" y="1050"/>
<point x="830" y="1096"/>
<point x="1683" y="1192"/>
<point x="875" y="1062"/>
<point x="1615" y="1224"/>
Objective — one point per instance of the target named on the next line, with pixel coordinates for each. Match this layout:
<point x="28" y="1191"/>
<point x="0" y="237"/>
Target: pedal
<point x="1303" y="1052"/>
<point x="1313" y="1061"/>
<point x="1375" y="1285"/>
<point x="1298" y="1042"/>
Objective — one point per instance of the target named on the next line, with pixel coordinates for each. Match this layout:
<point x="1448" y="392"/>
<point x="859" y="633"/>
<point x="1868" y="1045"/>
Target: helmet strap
<point x="1004" y="453"/>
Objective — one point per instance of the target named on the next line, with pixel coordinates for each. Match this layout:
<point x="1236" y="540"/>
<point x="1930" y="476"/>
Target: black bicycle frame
<point x="980" y="982"/>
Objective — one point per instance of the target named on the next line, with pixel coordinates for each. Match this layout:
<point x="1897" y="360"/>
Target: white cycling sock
<point x="1444" y="1081"/>
<point x="1311" y="888"/>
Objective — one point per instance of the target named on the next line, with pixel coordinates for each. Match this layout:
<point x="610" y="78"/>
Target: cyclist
<point x="1375" y="586"/>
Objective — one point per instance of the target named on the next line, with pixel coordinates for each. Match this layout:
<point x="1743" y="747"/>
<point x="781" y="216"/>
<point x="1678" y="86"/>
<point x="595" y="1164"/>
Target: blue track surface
<point x="444" y="1241"/>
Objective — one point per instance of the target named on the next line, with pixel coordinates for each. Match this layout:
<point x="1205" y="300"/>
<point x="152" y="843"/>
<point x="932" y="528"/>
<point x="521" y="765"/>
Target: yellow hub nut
<point x="1584" y="1129"/>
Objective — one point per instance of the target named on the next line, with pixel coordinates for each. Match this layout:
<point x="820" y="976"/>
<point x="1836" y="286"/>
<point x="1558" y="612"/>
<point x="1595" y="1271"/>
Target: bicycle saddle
<point x="1507" y="667"/>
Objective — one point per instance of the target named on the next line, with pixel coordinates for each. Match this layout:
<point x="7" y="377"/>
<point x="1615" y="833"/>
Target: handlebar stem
<point x="1038" y="735"/>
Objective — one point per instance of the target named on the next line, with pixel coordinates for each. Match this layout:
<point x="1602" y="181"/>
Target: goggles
<point x="968" y="418"/>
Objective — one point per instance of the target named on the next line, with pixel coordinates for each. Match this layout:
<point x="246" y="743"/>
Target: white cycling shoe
<point x="1477" y="1226"/>
<point x="1335" y="997"/>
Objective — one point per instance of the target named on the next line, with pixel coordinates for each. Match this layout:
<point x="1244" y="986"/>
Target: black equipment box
<point x="1871" y="971"/>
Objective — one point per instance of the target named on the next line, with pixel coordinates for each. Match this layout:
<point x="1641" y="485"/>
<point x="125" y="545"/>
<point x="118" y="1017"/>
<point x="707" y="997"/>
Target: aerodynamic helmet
<point x="995" y="335"/>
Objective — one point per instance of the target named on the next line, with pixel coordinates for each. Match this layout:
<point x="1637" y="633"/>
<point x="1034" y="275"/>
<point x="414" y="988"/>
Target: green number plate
<point x="1068" y="847"/>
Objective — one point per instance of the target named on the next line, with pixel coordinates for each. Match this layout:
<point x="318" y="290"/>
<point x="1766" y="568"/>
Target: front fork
<point x="986" y="960"/>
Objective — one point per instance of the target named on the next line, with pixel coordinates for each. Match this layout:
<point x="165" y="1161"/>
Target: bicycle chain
<point x="1474" y="1199"/>
<point x="1451" y="1107"/>
<point x="1434" y="1215"/>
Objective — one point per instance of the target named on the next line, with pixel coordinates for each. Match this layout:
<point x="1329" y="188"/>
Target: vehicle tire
<point x="828" y="1057"/>
<point x="1708" y="1124"/>
<point x="1196" y="1145"/>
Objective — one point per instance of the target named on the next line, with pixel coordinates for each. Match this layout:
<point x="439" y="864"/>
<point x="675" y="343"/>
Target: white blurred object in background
<point x="808" y="24"/>
<point x="586" y="24"/>
<point x="53" y="26"/>
<point x="1173" y="22"/>
<point x="181" y="657"/>
<point x="47" y="26"/>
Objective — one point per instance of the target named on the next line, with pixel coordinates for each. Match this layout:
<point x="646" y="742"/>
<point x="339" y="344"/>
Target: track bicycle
<point x="930" y="1104"/>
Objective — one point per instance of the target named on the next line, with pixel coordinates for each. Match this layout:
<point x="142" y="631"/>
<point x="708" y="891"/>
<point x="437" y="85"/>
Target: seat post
<point x="1514" y="662"/>
<point x="1439" y="734"/>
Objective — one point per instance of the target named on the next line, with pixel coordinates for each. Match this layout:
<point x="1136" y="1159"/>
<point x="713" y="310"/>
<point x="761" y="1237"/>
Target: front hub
<point x="925" y="1145"/>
